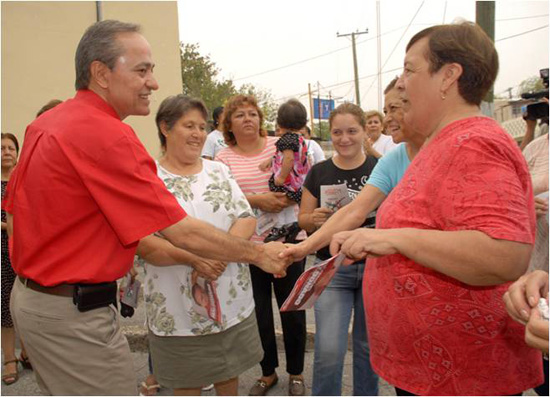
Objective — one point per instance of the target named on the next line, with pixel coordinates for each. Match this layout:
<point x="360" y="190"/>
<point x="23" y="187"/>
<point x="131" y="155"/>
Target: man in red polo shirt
<point x="84" y="193"/>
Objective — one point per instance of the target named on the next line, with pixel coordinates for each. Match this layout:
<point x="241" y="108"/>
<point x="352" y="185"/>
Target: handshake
<point x="271" y="259"/>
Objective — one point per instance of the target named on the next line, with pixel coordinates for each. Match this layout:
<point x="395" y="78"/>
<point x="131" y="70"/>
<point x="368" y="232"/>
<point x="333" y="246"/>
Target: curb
<point x="137" y="338"/>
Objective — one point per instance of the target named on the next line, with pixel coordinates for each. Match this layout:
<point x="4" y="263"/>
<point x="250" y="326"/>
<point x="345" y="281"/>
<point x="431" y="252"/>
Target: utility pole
<point x="485" y="18"/>
<point x="310" y="107"/>
<point x="356" y="73"/>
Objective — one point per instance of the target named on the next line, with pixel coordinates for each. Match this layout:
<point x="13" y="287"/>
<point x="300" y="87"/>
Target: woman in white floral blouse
<point x="196" y="342"/>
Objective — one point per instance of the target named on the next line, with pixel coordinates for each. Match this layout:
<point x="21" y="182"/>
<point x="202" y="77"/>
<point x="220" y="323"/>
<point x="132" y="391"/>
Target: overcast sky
<point x="248" y="38"/>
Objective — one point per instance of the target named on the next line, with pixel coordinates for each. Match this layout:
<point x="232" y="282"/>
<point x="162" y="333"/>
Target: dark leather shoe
<point x="296" y="386"/>
<point x="261" y="388"/>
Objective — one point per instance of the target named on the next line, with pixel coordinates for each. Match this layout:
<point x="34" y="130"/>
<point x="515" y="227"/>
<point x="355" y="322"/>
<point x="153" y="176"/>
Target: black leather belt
<point x="59" y="290"/>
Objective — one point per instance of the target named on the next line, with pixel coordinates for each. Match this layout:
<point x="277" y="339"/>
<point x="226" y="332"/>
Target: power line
<point x="396" y="44"/>
<point x="518" y="18"/>
<point x="521" y="34"/>
<point x="314" y="57"/>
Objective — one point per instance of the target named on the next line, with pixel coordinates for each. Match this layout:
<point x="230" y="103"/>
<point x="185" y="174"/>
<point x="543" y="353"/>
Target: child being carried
<point x="289" y="166"/>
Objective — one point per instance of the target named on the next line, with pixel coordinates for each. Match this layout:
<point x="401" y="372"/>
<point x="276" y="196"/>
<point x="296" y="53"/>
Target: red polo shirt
<point x="83" y="194"/>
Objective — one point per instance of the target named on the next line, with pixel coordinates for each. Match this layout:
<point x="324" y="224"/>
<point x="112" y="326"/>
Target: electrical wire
<point x="521" y="34"/>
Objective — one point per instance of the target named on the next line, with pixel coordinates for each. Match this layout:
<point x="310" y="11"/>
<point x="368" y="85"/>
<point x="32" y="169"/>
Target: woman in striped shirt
<point x="249" y="146"/>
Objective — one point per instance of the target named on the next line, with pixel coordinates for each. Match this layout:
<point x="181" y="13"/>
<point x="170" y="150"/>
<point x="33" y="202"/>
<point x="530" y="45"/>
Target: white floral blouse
<point x="214" y="197"/>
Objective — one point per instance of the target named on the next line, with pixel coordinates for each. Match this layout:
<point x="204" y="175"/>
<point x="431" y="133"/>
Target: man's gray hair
<point x="99" y="43"/>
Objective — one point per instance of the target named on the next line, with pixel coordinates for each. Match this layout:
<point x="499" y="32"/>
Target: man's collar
<point x="93" y="99"/>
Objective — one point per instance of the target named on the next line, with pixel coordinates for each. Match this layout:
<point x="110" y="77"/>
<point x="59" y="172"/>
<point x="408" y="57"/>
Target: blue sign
<point x="322" y="107"/>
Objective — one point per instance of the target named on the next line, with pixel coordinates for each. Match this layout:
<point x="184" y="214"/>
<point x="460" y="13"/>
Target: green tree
<point x="323" y="132"/>
<point x="531" y="84"/>
<point x="199" y="75"/>
<point x="265" y="101"/>
<point x="200" y="80"/>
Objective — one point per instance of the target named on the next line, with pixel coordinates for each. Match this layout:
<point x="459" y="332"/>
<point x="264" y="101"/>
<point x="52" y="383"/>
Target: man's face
<point x="131" y="81"/>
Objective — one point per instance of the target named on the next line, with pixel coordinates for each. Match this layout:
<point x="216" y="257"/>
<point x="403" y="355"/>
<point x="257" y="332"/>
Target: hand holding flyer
<point x="311" y="284"/>
<point x="334" y="197"/>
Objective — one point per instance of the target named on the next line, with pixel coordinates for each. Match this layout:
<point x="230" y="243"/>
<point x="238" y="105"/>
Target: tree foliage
<point x="199" y="76"/>
<point x="200" y="80"/>
<point x="531" y="84"/>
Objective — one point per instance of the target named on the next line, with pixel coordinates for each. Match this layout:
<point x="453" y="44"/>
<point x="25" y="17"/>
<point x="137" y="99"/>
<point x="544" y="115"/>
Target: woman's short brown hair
<point x="174" y="108"/>
<point x="468" y="45"/>
<point x="349" y="108"/>
<point x="231" y="107"/>
<point x="374" y="113"/>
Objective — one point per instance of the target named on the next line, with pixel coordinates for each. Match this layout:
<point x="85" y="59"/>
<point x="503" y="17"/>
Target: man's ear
<point x="100" y="73"/>
<point x="451" y="74"/>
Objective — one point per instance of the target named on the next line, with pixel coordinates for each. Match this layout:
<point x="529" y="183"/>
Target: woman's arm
<point x="349" y="217"/>
<point x="469" y="256"/>
<point x="4" y="226"/>
<point x="286" y="167"/>
<point x="243" y="227"/>
<point x="160" y="252"/>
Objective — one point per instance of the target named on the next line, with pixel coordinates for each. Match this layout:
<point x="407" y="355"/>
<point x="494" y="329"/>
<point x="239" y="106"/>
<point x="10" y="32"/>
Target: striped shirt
<point x="246" y="171"/>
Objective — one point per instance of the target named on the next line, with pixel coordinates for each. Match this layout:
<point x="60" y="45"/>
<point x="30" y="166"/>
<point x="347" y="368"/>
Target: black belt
<point x="59" y="290"/>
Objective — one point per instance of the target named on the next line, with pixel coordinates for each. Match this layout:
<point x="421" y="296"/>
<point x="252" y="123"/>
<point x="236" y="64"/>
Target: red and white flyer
<point x="311" y="284"/>
<point x="205" y="298"/>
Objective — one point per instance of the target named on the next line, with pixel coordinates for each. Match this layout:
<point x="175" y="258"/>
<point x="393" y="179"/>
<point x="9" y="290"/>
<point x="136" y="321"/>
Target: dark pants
<point x="542" y="390"/>
<point x="294" y="323"/>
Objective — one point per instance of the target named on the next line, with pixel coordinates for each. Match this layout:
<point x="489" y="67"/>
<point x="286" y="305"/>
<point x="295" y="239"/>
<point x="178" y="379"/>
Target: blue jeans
<point x="333" y="309"/>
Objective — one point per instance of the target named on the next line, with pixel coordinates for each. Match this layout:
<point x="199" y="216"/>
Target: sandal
<point x="149" y="390"/>
<point x="11" y="378"/>
<point x="25" y="362"/>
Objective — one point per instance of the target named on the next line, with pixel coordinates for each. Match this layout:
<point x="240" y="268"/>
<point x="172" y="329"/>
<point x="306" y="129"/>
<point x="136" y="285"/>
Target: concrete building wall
<point x="39" y="41"/>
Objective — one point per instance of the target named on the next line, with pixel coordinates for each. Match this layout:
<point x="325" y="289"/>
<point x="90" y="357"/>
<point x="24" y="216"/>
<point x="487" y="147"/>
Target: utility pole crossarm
<point x="355" y="68"/>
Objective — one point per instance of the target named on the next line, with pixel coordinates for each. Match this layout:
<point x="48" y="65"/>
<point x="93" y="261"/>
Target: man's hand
<point x="360" y="243"/>
<point x="524" y="295"/>
<point x="541" y="206"/>
<point x="271" y="261"/>
<point x="208" y="269"/>
<point x="295" y="252"/>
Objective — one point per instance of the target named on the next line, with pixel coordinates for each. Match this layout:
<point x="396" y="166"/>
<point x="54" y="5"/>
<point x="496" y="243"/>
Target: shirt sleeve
<point x="312" y="182"/>
<point x="486" y="187"/>
<point x="288" y="141"/>
<point x="244" y="210"/>
<point x="124" y="183"/>
<point x="209" y="146"/>
<point x="380" y="176"/>
<point x="318" y="153"/>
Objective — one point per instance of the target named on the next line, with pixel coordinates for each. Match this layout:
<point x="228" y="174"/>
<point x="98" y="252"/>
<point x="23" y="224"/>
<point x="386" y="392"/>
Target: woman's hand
<point x="296" y="252"/>
<point x="208" y="269"/>
<point x="320" y="215"/>
<point x="524" y="295"/>
<point x="541" y="206"/>
<point x="272" y="201"/>
<point x="536" y="332"/>
<point x="360" y="243"/>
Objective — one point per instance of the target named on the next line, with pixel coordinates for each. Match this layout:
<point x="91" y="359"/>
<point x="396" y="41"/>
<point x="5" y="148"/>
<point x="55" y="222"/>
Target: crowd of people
<point x="445" y="234"/>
